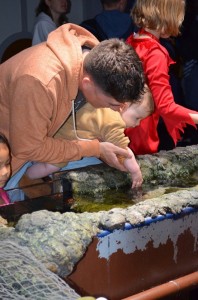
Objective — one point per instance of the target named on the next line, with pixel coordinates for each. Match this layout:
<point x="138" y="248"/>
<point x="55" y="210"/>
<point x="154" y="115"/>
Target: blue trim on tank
<point x="149" y="220"/>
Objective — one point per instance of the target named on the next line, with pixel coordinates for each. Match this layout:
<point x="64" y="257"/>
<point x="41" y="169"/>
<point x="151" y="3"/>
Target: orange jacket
<point x="36" y="89"/>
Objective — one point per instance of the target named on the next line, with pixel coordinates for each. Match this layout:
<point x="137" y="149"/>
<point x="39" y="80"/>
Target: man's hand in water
<point x="109" y="152"/>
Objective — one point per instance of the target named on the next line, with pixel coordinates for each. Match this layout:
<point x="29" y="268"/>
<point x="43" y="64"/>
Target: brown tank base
<point x="126" y="262"/>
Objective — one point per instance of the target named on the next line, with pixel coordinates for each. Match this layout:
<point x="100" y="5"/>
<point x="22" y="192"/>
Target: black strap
<point x="79" y="102"/>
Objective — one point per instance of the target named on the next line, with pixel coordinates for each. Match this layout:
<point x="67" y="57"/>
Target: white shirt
<point x="43" y="26"/>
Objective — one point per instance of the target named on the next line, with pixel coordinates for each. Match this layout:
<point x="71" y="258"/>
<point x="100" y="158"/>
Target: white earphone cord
<point x="74" y="124"/>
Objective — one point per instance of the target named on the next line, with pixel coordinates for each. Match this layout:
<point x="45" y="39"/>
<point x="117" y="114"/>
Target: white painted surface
<point x="158" y="233"/>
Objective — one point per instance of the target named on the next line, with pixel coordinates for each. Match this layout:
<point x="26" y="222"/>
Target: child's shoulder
<point x="145" y="45"/>
<point x="105" y="114"/>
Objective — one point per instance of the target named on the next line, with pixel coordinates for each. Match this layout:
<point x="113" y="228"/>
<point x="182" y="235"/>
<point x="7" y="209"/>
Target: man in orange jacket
<point x="37" y="87"/>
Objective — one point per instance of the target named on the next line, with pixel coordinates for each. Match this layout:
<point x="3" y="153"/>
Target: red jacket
<point x="156" y="61"/>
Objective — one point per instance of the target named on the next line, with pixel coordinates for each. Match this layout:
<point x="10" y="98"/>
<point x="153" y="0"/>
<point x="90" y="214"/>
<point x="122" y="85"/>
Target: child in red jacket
<point x="157" y="18"/>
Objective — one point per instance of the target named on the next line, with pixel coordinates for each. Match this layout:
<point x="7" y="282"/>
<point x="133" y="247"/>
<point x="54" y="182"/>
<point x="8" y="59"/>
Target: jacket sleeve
<point x="103" y="124"/>
<point x="111" y="127"/>
<point x="175" y="116"/>
<point x="32" y="114"/>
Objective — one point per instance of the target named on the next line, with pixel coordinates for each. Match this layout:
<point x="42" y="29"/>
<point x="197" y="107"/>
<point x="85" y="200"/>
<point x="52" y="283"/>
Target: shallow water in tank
<point x="106" y="200"/>
<point x="126" y="197"/>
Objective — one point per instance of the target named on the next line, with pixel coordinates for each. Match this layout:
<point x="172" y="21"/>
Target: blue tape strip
<point x="149" y="220"/>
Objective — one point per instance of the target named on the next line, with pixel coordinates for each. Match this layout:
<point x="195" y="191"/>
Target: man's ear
<point x="86" y="82"/>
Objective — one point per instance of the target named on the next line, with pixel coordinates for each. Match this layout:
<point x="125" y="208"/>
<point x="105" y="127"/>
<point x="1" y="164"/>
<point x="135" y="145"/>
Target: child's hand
<point x="133" y="167"/>
<point x="109" y="154"/>
<point x="136" y="177"/>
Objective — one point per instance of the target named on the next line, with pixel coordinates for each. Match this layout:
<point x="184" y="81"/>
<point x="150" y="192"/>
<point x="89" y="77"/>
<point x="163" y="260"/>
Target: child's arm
<point x="39" y="170"/>
<point x="133" y="168"/>
<point x="194" y="117"/>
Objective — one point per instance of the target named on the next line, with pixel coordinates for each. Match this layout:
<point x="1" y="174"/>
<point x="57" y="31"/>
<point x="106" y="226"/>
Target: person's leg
<point x="190" y="85"/>
<point x="86" y="161"/>
<point x="15" y="194"/>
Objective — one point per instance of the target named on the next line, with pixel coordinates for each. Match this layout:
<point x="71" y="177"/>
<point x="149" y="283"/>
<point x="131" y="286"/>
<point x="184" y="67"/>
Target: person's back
<point x="50" y="14"/>
<point x="111" y="22"/>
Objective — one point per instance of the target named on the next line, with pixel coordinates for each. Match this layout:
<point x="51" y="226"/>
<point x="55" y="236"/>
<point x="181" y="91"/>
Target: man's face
<point x="96" y="97"/>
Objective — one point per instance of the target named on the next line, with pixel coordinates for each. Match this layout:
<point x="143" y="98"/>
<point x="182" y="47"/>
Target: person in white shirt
<point x="50" y="14"/>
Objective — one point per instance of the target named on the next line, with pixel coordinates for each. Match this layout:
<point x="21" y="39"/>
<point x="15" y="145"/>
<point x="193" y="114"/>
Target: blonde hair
<point x="165" y="16"/>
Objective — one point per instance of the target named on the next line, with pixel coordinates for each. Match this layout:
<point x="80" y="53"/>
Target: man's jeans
<point x="17" y="194"/>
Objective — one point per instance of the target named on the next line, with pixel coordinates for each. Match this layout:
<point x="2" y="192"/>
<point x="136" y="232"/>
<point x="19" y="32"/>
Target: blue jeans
<point x="16" y="194"/>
